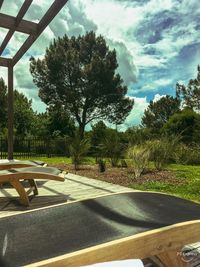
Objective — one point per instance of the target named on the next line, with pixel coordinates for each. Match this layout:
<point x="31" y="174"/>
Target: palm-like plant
<point x="112" y="148"/>
<point x="78" y="149"/>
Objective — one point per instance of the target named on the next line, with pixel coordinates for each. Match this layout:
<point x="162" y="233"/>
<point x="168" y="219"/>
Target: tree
<point x="59" y="122"/>
<point x="80" y="74"/>
<point x="23" y="114"/>
<point x="186" y="124"/>
<point x="97" y="136"/>
<point x="137" y="135"/>
<point x="40" y="125"/>
<point x="190" y="93"/>
<point x="159" y="112"/>
<point x="3" y="105"/>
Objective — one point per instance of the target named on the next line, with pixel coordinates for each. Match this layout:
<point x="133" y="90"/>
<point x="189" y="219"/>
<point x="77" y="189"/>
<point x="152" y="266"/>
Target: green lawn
<point x="188" y="175"/>
<point x="60" y="160"/>
<point x="189" y="189"/>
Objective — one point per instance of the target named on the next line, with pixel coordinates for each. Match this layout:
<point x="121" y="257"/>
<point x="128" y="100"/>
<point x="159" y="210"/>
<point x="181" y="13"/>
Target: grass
<point x="61" y="160"/>
<point x="189" y="188"/>
<point x="189" y="176"/>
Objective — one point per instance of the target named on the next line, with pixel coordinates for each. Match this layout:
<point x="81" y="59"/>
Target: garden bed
<point x="122" y="176"/>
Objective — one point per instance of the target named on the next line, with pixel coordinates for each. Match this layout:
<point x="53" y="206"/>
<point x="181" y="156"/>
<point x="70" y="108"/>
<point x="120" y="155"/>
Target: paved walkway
<point x="74" y="188"/>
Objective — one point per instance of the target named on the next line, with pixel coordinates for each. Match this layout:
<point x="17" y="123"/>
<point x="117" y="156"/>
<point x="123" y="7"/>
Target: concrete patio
<point x="74" y="188"/>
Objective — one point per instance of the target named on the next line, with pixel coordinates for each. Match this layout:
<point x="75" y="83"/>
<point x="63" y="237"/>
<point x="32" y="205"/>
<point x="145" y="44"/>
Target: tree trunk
<point x="81" y="130"/>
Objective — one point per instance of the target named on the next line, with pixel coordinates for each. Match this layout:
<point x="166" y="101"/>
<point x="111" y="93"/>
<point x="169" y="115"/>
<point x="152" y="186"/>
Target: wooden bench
<point x="15" y="176"/>
<point x="113" y="227"/>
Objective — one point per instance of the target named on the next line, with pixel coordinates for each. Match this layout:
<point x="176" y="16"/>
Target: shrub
<point x="185" y="123"/>
<point x="140" y="158"/>
<point x="180" y="155"/>
<point x="161" y="151"/>
<point x="78" y="149"/>
<point x="187" y="155"/>
<point x="194" y="156"/>
<point x="124" y="163"/>
<point x="112" y="148"/>
<point x="102" y="165"/>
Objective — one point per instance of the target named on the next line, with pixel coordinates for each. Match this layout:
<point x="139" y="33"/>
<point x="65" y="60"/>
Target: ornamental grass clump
<point x="161" y="151"/>
<point x="139" y="156"/>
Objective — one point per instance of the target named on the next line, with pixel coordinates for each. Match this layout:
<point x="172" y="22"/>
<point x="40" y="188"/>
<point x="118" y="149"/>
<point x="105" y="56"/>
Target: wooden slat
<point x="24" y="26"/>
<point x="150" y="243"/>
<point x="47" y="18"/>
<point x="18" y="19"/>
<point x="23" y="11"/>
<point x="5" y="62"/>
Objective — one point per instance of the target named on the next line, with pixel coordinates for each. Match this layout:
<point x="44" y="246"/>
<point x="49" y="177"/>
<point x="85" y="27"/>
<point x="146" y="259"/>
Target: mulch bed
<point x="122" y="176"/>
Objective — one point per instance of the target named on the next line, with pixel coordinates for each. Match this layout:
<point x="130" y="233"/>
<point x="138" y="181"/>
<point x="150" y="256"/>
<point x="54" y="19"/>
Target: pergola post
<point x="10" y="112"/>
<point x="34" y="30"/>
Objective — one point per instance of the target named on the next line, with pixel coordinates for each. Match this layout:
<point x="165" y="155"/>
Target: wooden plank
<point x="24" y="26"/>
<point x="35" y="172"/>
<point x="23" y="10"/>
<point x="47" y="18"/>
<point x="10" y="112"/>
<point x="18" y="19"/>
<point x="5" y="62"/>
<point x="155" y="242"/>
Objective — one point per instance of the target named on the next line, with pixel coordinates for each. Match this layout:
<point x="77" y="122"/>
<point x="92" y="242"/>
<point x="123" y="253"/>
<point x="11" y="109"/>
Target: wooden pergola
<point x="33" y="30"/>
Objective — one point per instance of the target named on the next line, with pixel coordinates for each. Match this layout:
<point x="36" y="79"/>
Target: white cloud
<point x="127" y="68"/>
<point x="158" y="97"/>
<point x="162" y="82"/>
<point x="118" y="22"/>
<point x="136" y="114"/>
<point x="151" y="86"/>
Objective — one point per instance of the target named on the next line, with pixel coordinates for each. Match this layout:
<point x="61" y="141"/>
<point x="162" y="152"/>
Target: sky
<point x="157" y="43"/>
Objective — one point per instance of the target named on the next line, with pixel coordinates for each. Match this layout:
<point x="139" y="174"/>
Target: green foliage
<point x="3" y="106"/>
<point x="124" y="163"/>
<point x="97" y="135"/>
<point x="139" y="156"/>
<point x="161" y="150"/>
<point x="102" y="165"/>
<point x="187" y="154"/>
<point x="23" y="114"/>
<point x="180" y="155"/>
<point x="59" y="122"/>
<point x="158" y="113"/>
<point x="111" y="147"/>
<point x="188" y="188"/>
<point x="79" y="73"/>
<point x="137" y="135"/>
<point x="190" y="93"/>
<point x="40" y="125"/>
<point x="186" y="124"/>
<point x="78" y="149"/>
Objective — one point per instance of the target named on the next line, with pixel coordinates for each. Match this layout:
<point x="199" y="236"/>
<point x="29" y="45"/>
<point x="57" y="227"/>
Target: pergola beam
<point x="18" y="19"/>
<point x="5" y="62"/>
<point x="24" y="26"/>
<point x="47" y="18"/>
<point x="1" y="3"/>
